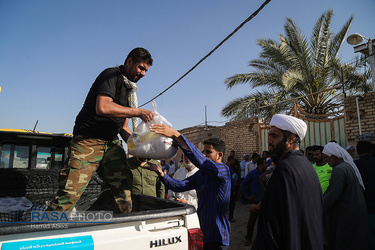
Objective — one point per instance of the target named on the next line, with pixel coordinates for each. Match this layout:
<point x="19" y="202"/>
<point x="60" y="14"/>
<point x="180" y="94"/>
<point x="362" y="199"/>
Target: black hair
<point x="140" y="54"/>
<point x="364" y="147"/>
<point x="318" y="147"/>
<point x="267" y="153"/>
<point x="216" y="143"/>
<point x="286" y="135"/>
<point x="260" y="161"/>
<point x="255" y="155"/>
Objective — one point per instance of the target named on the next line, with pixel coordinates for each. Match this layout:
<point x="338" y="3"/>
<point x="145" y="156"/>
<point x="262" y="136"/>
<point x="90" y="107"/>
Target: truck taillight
<point x="195" y="239"/>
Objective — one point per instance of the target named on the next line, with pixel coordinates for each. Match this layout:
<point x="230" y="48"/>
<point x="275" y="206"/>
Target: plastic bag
<point x="144" y="143"/>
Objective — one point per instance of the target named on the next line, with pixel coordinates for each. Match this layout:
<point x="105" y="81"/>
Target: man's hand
<point x="146" y="115"/>
<point x="169" y="132"/>
<point x="153" y="167"/>
<point x="255" y="207"/>
<point x="165" y="130"/>
<point x="181" y="200"/>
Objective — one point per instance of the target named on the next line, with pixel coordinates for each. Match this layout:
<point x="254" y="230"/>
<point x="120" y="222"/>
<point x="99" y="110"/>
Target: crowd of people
<point x="323" y="199"/>
<point x="347" y="190"/>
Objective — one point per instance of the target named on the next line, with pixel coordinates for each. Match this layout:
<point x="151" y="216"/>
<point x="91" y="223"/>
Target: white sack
<point x="144" y="143"/>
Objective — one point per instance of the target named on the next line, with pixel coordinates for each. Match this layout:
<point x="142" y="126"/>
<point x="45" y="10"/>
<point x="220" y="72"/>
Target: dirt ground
<point x="238" y="229"/>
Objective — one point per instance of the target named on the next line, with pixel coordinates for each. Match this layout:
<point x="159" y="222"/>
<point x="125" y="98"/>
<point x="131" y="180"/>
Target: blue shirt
<point x="269" y="161"/>
<point x="212" y="183"/>
<point x="165" y="167"/>
<point x="252" y="179"/>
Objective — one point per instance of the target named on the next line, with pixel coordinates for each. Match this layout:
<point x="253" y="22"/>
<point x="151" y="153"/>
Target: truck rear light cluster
<point x="195" y="239"/>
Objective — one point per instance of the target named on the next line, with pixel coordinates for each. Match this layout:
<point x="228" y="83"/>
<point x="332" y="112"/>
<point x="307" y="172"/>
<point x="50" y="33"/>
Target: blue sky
<point x="52" y="51"/>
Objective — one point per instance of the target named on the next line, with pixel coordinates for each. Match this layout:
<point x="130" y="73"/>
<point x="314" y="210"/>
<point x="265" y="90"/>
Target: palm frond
<point x="292" y="70"/>
<point x="339" y="38"/>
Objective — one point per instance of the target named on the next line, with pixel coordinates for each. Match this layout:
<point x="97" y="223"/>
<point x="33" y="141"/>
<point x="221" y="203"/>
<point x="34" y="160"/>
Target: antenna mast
<point x="205" y="116"/>
<point x="35" y="126"/>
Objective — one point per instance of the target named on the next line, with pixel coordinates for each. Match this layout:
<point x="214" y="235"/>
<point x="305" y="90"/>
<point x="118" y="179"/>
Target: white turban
<point x="335" y="149"/>
<point x="289" y="123"/>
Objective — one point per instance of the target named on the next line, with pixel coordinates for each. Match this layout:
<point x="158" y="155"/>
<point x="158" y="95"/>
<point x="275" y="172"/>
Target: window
<point x="49" y="157"/>
<point x="31" y="156"/>
<point x="14" y="156"/>
<point x="21" y="156"/>
<point x="5" y="156"/>
<point x="43" y="157"/>
<point x="58" y="162"/>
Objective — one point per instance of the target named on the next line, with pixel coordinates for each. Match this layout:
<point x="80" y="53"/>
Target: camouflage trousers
<point x="88" y="155"/>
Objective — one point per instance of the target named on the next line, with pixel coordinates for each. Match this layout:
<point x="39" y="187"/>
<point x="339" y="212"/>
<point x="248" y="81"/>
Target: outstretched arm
<point x="192" y="152"/>
<point x="169" y="132"/>
<point x="105" y="106"/>
<point x="175" y="185"/>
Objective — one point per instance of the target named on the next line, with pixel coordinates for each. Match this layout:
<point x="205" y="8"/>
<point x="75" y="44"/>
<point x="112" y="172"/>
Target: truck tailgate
<point x="156" y="233"/>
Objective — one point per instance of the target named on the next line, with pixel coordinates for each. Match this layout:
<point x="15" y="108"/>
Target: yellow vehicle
<point x="26" y="149"/>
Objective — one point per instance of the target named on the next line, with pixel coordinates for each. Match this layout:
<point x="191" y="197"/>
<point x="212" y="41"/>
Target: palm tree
<point x="293" y="68"/>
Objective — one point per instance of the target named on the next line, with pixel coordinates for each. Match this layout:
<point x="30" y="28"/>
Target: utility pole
<point x="205" y="116"/>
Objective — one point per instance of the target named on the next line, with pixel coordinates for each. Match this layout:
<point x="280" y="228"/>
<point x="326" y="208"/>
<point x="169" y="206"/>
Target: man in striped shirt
<point x="212" y="183"/>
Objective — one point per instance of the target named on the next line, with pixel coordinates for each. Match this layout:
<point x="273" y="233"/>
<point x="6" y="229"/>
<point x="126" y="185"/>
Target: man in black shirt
<point x="95" y="146"/>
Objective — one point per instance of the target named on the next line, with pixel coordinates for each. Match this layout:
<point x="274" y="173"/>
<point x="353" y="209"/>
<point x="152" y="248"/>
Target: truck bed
<point x="41" y="185"/>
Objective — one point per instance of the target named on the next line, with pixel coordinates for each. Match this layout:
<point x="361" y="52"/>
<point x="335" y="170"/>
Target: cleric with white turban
<point x="293" y="196"/>
<point x="344" y="202"/>
<point x="335" y="149"/>
<point x="289" y="123"/>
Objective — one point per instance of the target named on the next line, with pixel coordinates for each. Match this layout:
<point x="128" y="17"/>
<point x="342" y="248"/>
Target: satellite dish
<point x="354" y="39"/>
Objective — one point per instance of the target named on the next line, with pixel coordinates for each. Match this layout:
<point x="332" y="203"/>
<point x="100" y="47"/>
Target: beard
<point x="319" y="161"/>
<point x="135" y="78"/>
<point x="278" y="151"/>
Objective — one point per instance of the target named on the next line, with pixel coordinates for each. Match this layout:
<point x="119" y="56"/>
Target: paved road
<point x="238" y="229"/>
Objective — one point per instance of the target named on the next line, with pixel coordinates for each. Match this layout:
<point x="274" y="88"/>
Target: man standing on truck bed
<point x="212" y="183"/>
<point x="95" y="146"/>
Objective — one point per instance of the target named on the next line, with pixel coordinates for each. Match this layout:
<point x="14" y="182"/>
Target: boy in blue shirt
<point x="212" y="183"/>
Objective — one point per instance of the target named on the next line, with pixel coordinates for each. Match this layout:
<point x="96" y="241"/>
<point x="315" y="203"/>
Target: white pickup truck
<point x="153" y="224"/>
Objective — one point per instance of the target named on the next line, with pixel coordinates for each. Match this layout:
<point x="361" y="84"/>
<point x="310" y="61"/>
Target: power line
<point x="212" y="51"/>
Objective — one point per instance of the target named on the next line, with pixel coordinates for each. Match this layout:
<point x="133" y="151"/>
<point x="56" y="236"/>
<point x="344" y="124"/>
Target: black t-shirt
<point x="111" y="83"/>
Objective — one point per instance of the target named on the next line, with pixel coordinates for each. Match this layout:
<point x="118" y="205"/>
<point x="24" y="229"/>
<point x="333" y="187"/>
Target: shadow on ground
<point x="238" y="229"/>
